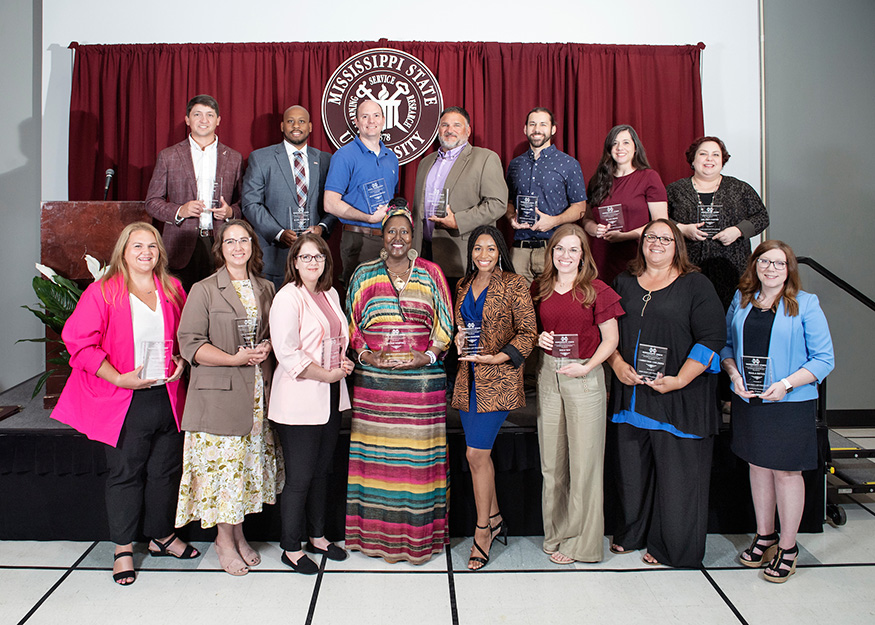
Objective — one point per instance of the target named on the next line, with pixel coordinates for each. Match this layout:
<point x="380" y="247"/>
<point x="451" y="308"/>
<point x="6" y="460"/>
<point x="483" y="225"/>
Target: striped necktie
<point x="300" y="179"/>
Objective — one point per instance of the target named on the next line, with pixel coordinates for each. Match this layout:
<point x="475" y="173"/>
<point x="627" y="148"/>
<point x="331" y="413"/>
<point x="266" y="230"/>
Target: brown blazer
<point x="478" y="196"/>
<point x="220" y="399"/>
<point x="508" y="326"/>
<point x="173" y="184"/>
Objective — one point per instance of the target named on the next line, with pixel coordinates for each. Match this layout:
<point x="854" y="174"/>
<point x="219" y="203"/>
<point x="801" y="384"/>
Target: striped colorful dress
<point x="398" y="478"/>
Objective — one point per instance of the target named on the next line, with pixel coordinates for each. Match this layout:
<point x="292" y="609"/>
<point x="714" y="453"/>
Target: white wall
<point x="820" y="129"/>
<point x="731" y="86"/>
<point x="19" y="187"/>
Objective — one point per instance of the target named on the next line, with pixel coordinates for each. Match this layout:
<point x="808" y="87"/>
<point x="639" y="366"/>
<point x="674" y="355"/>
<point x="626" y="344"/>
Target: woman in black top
<point x="663" y="400"/>
<point x="719" y="244"/>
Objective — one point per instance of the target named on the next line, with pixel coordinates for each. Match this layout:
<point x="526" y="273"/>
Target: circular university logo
<point x="404" y="88"/>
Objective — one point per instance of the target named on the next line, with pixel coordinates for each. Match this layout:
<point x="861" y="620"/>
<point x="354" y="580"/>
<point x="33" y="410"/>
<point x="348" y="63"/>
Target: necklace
<point x="713" y="192"/>
<point x="399" y="279"/>
<point x="646" y="299"/>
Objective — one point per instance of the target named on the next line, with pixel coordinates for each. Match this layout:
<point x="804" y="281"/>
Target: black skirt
<point x="779" y="436"/>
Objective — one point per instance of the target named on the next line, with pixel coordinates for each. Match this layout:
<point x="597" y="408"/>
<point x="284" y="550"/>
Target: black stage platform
<point x="51" y="482"/>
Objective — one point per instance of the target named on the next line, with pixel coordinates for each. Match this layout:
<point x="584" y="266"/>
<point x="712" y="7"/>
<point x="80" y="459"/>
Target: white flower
<point x="94" y="267"/>
<point x="48" y="272"/>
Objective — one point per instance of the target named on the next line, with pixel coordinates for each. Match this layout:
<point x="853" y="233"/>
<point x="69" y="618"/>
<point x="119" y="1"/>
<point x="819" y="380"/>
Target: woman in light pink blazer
<point x="310" y="337"/>
<point x="107" y="399"/>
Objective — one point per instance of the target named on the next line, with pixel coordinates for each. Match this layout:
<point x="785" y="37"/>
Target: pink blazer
<point x="297" y="327"/>
<point x="99" y="329"/>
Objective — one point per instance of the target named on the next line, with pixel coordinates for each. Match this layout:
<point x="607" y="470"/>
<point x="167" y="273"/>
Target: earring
<point x="412" y="254"/>
<point x="384" y="254"/>
<point x="499" y="264"/>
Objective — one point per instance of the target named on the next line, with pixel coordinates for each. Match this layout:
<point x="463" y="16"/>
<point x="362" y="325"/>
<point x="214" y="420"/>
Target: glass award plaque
<point x="397" y="347"/>
<point x="299" y="219"/>
<point x="376" y="194"/>
<point x="332" y="352"/>
<point x="709" y="217"/>
<point x="756" y="373"/>
<point x="650" y="360"/>
<point x="565" y="349"/>
<point x="441" y="203"/>
<point x="470" y="339"/>
<point x="526" y="210"/>
<point x="611" y="215"/>
<point x="205" y="219"/>
<point x="247" y="330"/>
<point x="156" y="359"/>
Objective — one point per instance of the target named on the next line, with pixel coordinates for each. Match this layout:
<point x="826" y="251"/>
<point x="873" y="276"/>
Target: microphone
<point x="109" y="174"/>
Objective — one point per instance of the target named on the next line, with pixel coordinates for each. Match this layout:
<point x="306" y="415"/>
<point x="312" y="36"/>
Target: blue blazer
<point x="797" y="342"/>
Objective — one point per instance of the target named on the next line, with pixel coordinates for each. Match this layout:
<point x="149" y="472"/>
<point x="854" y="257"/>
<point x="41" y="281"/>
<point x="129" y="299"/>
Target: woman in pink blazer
<point x="108" y="398"/>
<point x="310" y="338"/>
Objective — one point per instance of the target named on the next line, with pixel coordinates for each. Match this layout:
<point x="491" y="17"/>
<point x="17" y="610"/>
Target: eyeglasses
<point x="653" y="238"/>
<point x="319" y="258"/>
<point x="241" y="241"/>
<point x="763" y="263"/>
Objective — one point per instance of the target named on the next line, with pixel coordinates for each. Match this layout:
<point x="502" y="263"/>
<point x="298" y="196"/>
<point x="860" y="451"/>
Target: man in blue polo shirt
<point x="361" y="180"/>
<point x="554" y="180"/>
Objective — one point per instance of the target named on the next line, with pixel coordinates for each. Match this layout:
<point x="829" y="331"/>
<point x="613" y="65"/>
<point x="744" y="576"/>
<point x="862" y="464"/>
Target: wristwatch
<point x="787" y="386"/>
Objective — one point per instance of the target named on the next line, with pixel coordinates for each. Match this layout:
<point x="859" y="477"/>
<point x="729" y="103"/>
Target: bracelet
<point x="431" y="357"/>
<point x="362" y="353"/>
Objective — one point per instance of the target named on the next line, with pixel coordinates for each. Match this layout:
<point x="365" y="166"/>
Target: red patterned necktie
<point x="300" y="179"/>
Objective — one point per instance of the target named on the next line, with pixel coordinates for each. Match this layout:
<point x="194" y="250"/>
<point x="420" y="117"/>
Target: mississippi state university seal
<point x="404" y="88"/>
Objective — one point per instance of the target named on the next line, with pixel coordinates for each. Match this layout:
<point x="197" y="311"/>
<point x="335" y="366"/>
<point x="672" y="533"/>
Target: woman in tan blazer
<point x="231" y="465"/>
<point x="493" y="299"/>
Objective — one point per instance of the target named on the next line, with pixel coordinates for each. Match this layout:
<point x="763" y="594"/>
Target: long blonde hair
<point x="586" y="272"/>
<point x="118" y="269"/>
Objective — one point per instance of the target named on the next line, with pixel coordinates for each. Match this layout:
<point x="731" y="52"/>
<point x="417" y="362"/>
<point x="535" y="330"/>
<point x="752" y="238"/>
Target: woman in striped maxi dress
<point x="399" y="310"/>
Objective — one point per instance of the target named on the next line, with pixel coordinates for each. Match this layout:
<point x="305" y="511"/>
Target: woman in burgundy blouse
<point x="624" y="195"/>
<point x="578" y="318"/>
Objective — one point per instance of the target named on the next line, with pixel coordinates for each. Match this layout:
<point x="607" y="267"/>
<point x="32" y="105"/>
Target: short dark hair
<point x="542" y="109"/>
<point x="695" y="145"/>
<point x="292" y="275"/>
<point x="456" y="109"/>
<point x="203" y="99"/>
<point x="255" y="263"/>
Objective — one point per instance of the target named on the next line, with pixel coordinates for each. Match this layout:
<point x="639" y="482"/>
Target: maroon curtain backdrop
<point x="128" y="101"/>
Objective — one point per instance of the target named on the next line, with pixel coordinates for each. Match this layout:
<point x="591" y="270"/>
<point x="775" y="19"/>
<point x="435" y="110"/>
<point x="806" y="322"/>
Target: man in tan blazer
<point x="474" y="178"/>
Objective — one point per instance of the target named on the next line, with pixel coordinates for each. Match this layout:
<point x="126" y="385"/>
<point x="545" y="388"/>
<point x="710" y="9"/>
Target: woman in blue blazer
<point x="778" y="348"/>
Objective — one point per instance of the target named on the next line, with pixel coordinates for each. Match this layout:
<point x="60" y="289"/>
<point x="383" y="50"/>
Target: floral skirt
<point x="227" y="477"/>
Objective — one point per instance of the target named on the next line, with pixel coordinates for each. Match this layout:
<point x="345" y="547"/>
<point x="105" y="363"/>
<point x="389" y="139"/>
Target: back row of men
<point x="292" y="187"/>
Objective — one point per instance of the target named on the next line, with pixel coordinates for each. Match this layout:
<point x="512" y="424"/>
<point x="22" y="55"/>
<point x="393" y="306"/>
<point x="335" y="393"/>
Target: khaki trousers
<point x="571" y="434"/>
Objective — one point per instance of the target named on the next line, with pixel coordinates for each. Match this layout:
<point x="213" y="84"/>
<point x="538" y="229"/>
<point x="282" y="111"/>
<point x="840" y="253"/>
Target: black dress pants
<point x="663" y="483"/>
<point x="308" y="451"/>
<point x="144" y="469"/>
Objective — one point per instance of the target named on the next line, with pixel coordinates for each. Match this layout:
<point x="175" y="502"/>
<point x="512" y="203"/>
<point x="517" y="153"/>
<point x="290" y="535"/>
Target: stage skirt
<point x="398" y="478"/>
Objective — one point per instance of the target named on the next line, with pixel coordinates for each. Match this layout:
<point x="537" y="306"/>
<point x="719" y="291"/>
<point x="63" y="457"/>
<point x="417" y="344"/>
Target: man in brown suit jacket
<point x="477" y="193"/>
<point x="182" y="186"/>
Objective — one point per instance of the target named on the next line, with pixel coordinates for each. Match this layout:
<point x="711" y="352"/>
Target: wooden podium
<point x="69" y="231"/>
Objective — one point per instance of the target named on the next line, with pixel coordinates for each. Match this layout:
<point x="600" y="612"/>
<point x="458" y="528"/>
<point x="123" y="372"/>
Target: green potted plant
<point x="58" y="297"/>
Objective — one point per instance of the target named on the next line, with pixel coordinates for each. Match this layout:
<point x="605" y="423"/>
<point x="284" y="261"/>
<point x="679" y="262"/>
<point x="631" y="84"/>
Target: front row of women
<point x="661" y="313"/>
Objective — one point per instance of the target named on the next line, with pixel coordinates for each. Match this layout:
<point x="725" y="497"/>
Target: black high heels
<point x="761" y="550"/>
<point x="499" y="532"/>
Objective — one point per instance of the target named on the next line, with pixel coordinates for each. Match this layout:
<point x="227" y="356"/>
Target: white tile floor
<point x="70" y="582"/>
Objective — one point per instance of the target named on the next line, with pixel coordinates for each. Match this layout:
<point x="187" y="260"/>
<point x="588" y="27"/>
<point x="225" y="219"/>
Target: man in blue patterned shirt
<point x="548" y="179"/>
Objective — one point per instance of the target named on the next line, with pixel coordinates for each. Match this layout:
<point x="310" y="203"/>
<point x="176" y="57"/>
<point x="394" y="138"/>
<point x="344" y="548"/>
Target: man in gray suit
<point x="282" y="192"/>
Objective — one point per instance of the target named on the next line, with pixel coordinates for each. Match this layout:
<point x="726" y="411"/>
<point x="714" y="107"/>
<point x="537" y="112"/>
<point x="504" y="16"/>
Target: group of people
<point x="257" y="328"/>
